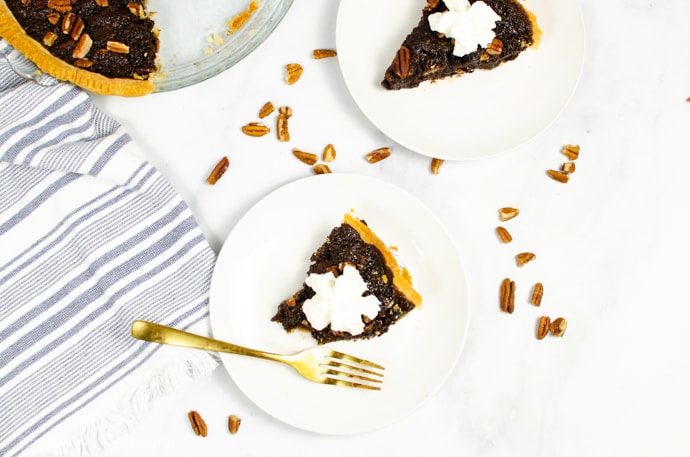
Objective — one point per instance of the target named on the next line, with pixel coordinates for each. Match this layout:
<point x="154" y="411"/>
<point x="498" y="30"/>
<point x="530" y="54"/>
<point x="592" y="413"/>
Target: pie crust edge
<point x="16" y="36"/>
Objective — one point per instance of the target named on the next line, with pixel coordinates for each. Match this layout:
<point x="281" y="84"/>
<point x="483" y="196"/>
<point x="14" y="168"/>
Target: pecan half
<point x="117" y="47"/>
<point x="324" y="53"/>
<point x="537" y="293"/>
<point x="234" y="423"/>
<point x="378" y="155"/>
<point x="83" y="46"/>
<point x="558" y="326"/>
<point x="507" y="213"/>
<point x="305" y="157"/>
<point x="558" y="175"/>
<point x="495" y="47"/>
<point x="524" y="257"/>
<point x="267" y="109"/>
<point x="282" y="130"/>
<point x="255" y="129"/>
<point x="136" y="9"/>
<point x="568" y="167"/>
<point x="436" y="165"/>
<point x="401" y="62"/>
<point x="102" y="3"/>
<point x="503" y="234"/>
<point x="49" y="39"/>
<point x="198" y="424"/>
<point x="218" y="171"/>
<point x="53" y="17"/>
<point x="572" y="151"/>
<point x="77" y="29"/>
<point x="67" y="22"/>
<point x="293" y="73"/>
<point x="544" y="327"/>
<point x="60" y="5"/>
<point x="82" y="63"/>
<point x="321" y="169"/>
<point x="507" y="298"/>
<point x="328" y="153"/>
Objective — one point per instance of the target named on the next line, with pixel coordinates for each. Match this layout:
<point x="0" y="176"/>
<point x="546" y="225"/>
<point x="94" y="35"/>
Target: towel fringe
<point x="136" y="404"/>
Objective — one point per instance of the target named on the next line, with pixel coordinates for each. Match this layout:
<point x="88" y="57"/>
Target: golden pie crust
<point x="14" y="33"/>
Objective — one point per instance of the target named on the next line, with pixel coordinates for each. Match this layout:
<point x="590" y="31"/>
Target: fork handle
<point x="156" y="333"/>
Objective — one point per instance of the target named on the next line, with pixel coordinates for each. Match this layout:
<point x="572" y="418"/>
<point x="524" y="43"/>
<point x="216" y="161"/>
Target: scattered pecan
<point x="537" y="293"/>
<point x="321" y="169"/>
<point x="558" y="326"/>
<point x="324" y="53"/>
<point x="507" y="296"/>
<point x="507" y="213"/>
<point x="282" y="131"/>
<point x="436" y="165"/>
<point x="378" y="155"/>
<point x="293" y="73"/>
<point x="544" y="327"/>
<point x="218" y="171"/>
<point x="285" y="111"/>
<point x="568" y="167"/>
<point x="572" y="151"/>
<point x="102" y="3"/>
<point x="234" y="423"/>
<point x="305" y="157"/>
<point x="524" y="257"/>
<point x="255" y="129"/>
<point x="503" y="234"/>
<point x="198" y="424"/>
<point x="401" y="62"/>
<point x="267" y="109"/>
<point x="558" y="175"/>
<point x="328" y="153"/>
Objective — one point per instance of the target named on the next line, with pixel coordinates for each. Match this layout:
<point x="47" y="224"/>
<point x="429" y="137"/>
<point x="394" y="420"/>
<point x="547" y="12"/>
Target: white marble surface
<point x="612" y="246"/>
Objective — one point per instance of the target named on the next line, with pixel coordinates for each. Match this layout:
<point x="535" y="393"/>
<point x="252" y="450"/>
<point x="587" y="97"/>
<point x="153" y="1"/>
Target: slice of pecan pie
<point x="454" y="37"/>
<point x="105" y="46"/>
<point x="355" y="288"/>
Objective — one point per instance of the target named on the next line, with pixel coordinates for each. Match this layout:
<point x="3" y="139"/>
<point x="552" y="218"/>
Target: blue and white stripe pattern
<point x="92" y="237"/>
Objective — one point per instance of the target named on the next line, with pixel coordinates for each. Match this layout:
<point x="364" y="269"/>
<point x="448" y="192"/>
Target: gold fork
<point x="319" y="364"/>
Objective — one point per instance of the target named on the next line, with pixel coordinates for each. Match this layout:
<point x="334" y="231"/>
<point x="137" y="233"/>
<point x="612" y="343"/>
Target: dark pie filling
<point x="344" y="245"/>
<point x="431" y="54"/>
<point x="119" y="22"/>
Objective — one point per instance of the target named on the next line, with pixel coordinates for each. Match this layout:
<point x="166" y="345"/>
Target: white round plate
<point x="474" y="116"/>
<point x="264" y="260"/>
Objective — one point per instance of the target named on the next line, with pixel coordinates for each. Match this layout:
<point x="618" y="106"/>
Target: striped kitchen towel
<point x="92" y="237"/>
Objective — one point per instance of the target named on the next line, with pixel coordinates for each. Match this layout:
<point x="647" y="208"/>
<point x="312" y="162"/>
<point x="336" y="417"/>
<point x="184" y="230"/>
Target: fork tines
<point x="346" y="370"/>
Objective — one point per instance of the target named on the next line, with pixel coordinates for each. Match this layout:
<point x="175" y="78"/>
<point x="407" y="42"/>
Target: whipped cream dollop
<point x="339" y="301"/>
<point x="471" y="25"/>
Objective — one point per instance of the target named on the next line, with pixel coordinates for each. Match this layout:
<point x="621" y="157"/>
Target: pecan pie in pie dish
<point x="355" y="288"/>
<point x="454" y="37"/>
<point x="106" y="46"/>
